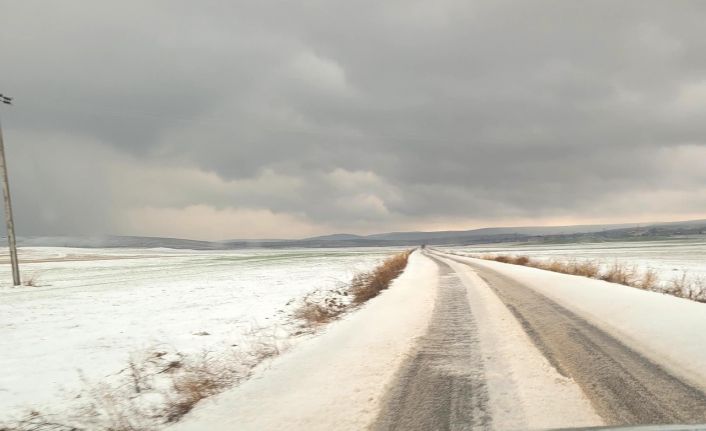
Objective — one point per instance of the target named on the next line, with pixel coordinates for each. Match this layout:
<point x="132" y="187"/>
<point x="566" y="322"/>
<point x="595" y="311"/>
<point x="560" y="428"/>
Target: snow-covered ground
<point x="336" y="380"/>
<point x="670" y="259"/>
<point x="92" y="309"/>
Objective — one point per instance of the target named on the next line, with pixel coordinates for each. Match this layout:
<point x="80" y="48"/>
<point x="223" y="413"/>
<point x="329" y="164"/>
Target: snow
<point x="93" y="309"/>
<point x="333" y="381"/>
<point x="525" y="391"/>
<point x="669" y="330"/>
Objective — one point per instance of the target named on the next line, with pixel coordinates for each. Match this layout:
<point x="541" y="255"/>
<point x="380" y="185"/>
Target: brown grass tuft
<point x="649" y="280"/>
<point x="320" y="311"/>
<point x="369" y="285"/>
<point x="621" y="274"/>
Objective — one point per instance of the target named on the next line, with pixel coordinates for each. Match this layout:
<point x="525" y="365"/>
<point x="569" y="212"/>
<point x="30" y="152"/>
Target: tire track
<point x="624" y="387"/>
<point x="441" y="386"/>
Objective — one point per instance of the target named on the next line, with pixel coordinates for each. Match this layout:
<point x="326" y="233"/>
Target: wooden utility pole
<point x="8" y="205"/>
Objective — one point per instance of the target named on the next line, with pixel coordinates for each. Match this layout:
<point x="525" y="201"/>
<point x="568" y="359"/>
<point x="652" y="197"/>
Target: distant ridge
<point x="584" y="233"/>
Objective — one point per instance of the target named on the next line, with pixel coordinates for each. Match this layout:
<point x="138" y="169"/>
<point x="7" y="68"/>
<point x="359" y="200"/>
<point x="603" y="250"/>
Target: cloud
<point x="334" y="116"/>
<point x="205" y="222"/>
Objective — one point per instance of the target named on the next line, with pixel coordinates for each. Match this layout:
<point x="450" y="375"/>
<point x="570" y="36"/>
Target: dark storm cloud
<point x="360" y="116"/>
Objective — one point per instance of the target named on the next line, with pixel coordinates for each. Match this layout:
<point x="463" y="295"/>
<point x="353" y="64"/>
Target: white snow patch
<point x="334" y="381"/>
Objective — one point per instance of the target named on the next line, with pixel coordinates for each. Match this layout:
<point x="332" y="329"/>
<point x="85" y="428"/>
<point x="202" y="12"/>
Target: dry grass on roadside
<point x="620" y="273"/>
<point x="35" y="421"/>
<point x="617" y="272"/>
<point x="318" y="311"/>
<point x="683" y="287"/>
<point x="156" y="388"/>
<point x="368" y="285"/>
<point x="320" y="307"/>
<point x="196" y="380"/>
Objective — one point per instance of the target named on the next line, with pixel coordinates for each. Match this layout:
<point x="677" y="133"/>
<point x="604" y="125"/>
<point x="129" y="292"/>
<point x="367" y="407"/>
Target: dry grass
<point x="154" y="389"/>
<point x="617" y="272"/>
<point x="620" y="273"/>
<point x="195" y="381"/>
<point x="317" y="311"/>
<point x="369" y="285"/>
<point x="649" y="280"/>
<point x="683" y="287"/>
<point x="35" y="421"/>
<point x="320" y="307"/>
<point x="31" y="280"/>
<point x="586" y="268"/>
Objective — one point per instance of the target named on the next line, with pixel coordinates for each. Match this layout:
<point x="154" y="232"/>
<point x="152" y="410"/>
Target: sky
<point x="275" y="119"/>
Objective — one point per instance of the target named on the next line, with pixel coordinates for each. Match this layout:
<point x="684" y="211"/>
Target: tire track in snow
<point x="624" y="386"/>
<point x="442" y="385"/>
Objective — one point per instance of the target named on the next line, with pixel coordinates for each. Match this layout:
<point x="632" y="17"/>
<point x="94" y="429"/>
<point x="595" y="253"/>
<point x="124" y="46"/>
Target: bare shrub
<point x="697" y="291"/>
<point x="649" y="280"/>
<point x="503" y="258"/>
<point x="586" y="268"/>
<point x="110" y="408"/>
<point x="620" y="273"/>
<point x="319" y="311"/>
<point x="506" y="258"/>
<point x="556" y="266"/>
<point x="689" y="288"/>
<point x="521" y="260"/>
<point x="196" y="382"/>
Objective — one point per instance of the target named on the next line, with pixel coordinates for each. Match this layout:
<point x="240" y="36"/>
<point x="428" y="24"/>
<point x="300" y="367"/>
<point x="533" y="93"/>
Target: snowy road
<point x="623" y="386"/>
<point x="443" y="383"/>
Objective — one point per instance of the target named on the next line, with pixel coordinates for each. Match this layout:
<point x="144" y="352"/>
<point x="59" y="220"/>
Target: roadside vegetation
<point x="160" y="385"/>
<point x="681" y="286"/>
<point x="157" y="387"/>
<point x="320" y="307"/>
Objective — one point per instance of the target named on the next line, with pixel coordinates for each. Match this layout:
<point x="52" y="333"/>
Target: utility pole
<point x="8" y="205"/>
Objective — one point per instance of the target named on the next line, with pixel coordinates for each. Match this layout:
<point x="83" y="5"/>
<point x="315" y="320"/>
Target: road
<point x="443" y="384"/>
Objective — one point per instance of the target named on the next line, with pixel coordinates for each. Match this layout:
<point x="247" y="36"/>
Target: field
<point x="89" y="312"/>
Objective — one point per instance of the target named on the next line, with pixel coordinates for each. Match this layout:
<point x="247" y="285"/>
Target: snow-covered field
<point x="670" y="259"/>
<point x="91" y="310"/>
<point x="335" y="381"/>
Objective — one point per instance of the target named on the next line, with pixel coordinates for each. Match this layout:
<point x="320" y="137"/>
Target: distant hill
<point x="114" y="241"/>
<point x="579" y="233"/>
<point x="489" y="231"/>
<point x="335" y="237"/>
